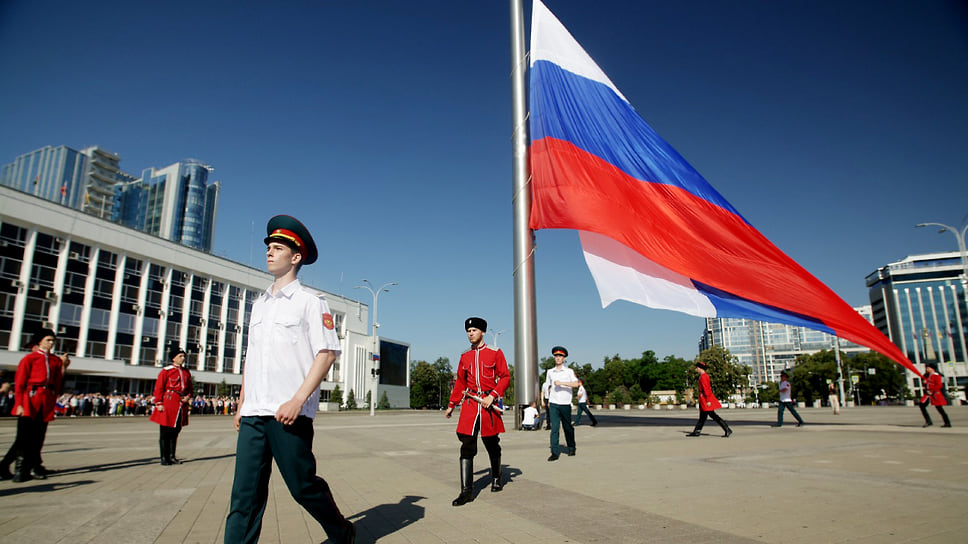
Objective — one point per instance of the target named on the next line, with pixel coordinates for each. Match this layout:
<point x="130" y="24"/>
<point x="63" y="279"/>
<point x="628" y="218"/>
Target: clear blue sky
<point x="833" y="127"/>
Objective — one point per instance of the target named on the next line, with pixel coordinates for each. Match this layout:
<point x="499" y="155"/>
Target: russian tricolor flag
<point x="653" y="230"/>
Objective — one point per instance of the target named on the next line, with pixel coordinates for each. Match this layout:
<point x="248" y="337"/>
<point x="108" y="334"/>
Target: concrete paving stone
<point x="868" y="475"/>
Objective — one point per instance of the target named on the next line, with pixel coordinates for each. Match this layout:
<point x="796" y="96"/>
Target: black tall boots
<point x="466" y="483"/>
<point x="496" y="483"/>
<point x="163" y="447"/>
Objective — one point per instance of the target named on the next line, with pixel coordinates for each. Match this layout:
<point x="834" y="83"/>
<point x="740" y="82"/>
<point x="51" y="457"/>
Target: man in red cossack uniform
<point x="482" y="378"/>
<point x="708" y="403"/>
<point x="37" y="384"/>
<point x="173" y="390"/>
<point x="934" y="395"/>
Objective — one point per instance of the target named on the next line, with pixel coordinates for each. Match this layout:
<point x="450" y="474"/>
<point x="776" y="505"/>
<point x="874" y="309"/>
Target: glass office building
<point x="769" y="348"/>
<point x="177" y="203"/>
<point x="919" y="303"/>
<point x="83" y="180"/>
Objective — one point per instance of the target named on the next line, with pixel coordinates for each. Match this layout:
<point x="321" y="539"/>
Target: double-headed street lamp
<point x="375" y="371"/>
<point x="962" y="249"/>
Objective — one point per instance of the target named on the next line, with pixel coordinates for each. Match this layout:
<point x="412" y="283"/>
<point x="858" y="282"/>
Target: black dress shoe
<point x="728" y="432"/>
<point x="38" y="475"/>
<point x="694" y="433"/>
<point x="553" y="457"/>
<point x="946" y="425"/>
<point x="571" y="452"/>
<point x="927" y="425"/>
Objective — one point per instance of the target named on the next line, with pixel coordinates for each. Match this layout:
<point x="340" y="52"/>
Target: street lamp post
<point x="375" y="371"/>
<point x="496" y="334"/>
<point x="963" y="253"/>
<point x="962" y="246"/>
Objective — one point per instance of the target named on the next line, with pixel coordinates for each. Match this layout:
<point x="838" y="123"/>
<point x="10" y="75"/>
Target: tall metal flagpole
<point x="525" y="321"/>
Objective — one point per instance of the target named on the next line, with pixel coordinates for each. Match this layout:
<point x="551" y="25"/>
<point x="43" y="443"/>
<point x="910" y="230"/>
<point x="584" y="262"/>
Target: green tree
<point x="636" y="393"/>
<point x="337" y="396"/>
<point x="614" y="369"/>
<point x="384" y="402"/>
<point x="430" y="383"/>
<point x="224" y="389"/>
<point x="726" y="375"/>
<point x="619" y="396"/>
<point x="885" y="382"/>
<point x="351" y="401"/>
<point x="809" y="377"/>
<point x="444" y="377"/>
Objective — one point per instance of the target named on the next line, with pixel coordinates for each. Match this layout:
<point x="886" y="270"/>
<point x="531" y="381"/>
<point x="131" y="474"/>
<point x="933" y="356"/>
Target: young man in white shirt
<point x="583" y="405"/>
<point x="529" y="420"/>
<point x="292" y="343"/>
<point x="560" y="381"/>
<point x="786" y="401"/>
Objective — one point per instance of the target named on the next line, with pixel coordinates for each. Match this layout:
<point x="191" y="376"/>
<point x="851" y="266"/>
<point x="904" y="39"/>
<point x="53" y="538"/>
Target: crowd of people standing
<point x="118" y="405"/>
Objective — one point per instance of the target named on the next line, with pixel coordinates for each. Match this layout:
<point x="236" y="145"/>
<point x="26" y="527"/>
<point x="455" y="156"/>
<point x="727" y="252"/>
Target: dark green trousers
<point x="561" y="417"/>
<point x="262" y="439"/>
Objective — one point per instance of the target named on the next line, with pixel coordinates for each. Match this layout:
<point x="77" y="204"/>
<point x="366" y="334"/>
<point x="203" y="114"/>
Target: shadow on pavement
<point x="34" y="486"/>
<point x="133" y="463"/>
<point x="691" y="419"/>
<point x="386" y="519"/>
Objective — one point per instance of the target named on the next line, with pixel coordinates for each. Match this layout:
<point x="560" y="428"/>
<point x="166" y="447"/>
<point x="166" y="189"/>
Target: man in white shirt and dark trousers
<point x="560" y="380"/>
<point x="786" y="401"/>
<point x="292" y="343"/>
<point x="583" y="405"/>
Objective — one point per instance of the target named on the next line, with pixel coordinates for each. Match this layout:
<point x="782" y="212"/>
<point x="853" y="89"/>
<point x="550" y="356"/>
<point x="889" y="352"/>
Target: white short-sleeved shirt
<point x="785" y="390"/>
<point x="529" y="416"/>
<point x="582" y="395"/>
<point x="286" y="332"/>
<point x="560" y="394"/>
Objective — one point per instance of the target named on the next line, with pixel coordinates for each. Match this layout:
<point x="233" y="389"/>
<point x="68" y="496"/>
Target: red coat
<point x="483" y="370"/>
<point x="706" y="395"/>
<point x="172" y="386"/>
<point x="935" y="385"/>
<point x="37" y="383"/>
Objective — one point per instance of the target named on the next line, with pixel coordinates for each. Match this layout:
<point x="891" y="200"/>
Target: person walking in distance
<point x="583" y="405"/>
<point x="482" y="378"/>
<point x="173" y="390"/>
<point x="833" y="397"/>
<point x="934" y="395"/>
<point x="560" y="381"/>
<point x="786" y="401"/>
<point x="292" y="344"/>
<point x="708" y="404"/>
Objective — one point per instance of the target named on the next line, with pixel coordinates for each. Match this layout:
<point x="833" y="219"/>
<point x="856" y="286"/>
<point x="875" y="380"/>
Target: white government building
<point x="119" y="299"/>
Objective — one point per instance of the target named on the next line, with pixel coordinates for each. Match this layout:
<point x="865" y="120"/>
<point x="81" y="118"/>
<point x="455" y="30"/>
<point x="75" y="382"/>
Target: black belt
<point x="36" y="387"/>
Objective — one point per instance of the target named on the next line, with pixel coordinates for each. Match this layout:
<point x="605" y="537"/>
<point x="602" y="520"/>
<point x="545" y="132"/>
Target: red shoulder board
<point x="328" y="321"/>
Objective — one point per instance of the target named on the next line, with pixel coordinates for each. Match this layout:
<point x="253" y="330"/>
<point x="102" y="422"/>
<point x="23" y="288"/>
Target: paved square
<point x="871" y="474"/>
